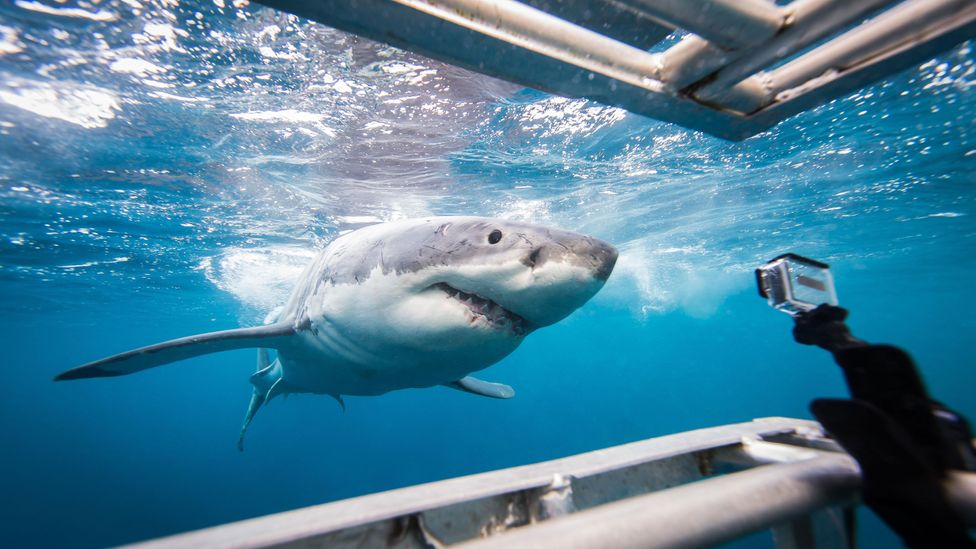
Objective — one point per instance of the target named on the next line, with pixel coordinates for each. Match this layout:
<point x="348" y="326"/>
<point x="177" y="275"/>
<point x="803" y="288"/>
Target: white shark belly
<point x="339" y="378"/>
<point x="358" y="339"/>
<point x="324" y="363"/>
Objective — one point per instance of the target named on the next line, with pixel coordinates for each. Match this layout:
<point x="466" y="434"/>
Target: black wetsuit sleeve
<point x="903" y="440"/>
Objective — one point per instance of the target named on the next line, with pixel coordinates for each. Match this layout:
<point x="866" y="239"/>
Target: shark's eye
<point x="494" y="236"/>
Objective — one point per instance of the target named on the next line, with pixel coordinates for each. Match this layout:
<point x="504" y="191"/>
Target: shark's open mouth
<point x="481" y="307"/>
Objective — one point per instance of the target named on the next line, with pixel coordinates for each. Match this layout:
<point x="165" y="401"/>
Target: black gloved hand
<point x="824" y="327"/>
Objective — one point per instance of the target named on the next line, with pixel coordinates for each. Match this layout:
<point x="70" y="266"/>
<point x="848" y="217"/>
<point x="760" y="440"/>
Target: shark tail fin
<point x="273" y="336"/>
<point x="268" y="384"/>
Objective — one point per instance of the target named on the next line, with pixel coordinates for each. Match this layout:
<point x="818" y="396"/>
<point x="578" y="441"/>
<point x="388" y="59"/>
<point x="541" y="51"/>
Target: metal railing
<point x="690" y="489"/>
<point x="743" y="67"/>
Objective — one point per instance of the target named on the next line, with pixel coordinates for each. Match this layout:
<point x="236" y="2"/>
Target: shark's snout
<point x="594" y="254"/>
<point x="567" y="270"/>
<point x="603" y="256"/>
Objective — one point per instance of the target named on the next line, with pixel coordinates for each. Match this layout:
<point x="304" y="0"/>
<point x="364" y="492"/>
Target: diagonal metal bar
<point x="806" y="21"/>
<point x="811" y="20"/>
<point x="898" y="38"/>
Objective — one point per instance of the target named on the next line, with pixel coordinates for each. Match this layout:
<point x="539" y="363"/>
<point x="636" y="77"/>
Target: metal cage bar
<point x="809" y="21"/>
<point x="701" y="514"/>
<point x="689" y="489"/>
<point x="729" y="24"/>
<point x="710" y="81"/>
<point x="904" y="25"/>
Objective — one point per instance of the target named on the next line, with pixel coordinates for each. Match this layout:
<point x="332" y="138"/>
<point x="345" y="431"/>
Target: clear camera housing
<point x="794" y="284"/>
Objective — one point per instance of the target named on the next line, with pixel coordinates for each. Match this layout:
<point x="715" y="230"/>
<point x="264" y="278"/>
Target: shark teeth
<point x="486" y="308"/>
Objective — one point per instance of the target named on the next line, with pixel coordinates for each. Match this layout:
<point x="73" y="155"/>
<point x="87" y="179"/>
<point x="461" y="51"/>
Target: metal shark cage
<point x="692" y="489"/>
<point x="742" y="66"/>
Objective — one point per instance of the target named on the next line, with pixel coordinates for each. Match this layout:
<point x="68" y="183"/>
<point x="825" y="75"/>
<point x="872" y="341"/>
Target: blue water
<point x="167" y="168"/>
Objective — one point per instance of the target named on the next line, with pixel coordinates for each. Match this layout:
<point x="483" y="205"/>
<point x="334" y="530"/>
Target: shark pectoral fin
<point x="272" y="336"/>
<point x="484" y="388"/>
<point x="268" y="384"/>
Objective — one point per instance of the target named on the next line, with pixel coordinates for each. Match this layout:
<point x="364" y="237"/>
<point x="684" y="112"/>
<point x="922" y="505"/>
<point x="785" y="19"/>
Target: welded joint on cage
<point x="903" y="26"/>
<point x="763" y="452"/>
<point x="806" y="22"/>
<point x="556" y="499"/>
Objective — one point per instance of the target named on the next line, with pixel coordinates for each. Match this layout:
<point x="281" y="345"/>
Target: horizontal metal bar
<point x="608" y="18"/>
<point x="810" y="20"/>
<point x="904" y="24"/>
<point x="509" y="40"/>
<point x="539" y="32"/>
<point x="700" y="514"/>
<point x="728" y="24"/>
<point x="618" y="471"/>
<point x="653" y="493"/>
<point x="527" y="46"/>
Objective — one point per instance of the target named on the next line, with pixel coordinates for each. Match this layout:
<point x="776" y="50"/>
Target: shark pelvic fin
<point x="484" y="388"/>
<point x="268" y="384"/>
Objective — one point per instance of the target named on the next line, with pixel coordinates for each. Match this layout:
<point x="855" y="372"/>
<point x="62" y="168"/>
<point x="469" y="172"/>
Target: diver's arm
<point x="825" y="328"/>
<point x="904" y="441"/>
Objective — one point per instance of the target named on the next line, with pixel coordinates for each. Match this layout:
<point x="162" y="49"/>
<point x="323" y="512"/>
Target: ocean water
<point x="167" y="168"/>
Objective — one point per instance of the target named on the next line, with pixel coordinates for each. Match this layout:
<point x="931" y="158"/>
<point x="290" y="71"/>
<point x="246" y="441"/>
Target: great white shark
<point x="404" y="304"/>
